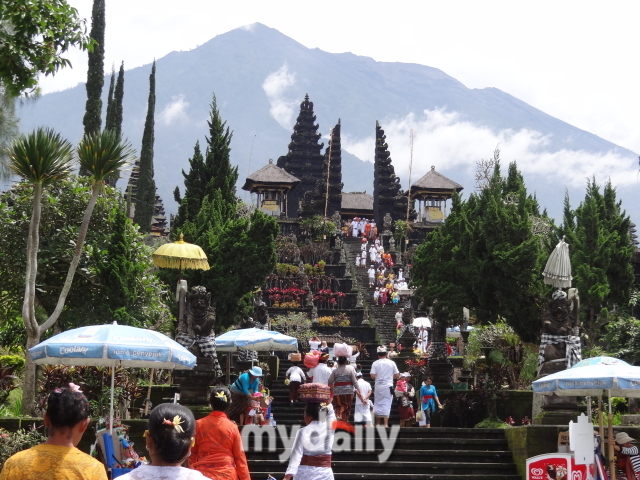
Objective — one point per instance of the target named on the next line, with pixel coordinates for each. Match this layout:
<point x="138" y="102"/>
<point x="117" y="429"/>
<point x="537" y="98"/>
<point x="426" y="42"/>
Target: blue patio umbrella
<point x="615" y="376"/>
<point x="255" y="339"/>
<point x="112" y="345"/>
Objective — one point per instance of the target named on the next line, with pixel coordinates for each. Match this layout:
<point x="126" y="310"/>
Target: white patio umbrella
<point x="421" y="322"/>
<point x="616" y="377"/>
<point x="557" y="272"/>
<point x="113" y="345"/>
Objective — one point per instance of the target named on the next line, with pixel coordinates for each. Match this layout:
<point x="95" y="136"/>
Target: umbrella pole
<point x="113" y="374"/>
<point x="612" y="463"/>
<point x="600" y="419"/>
<point x="229" y="357"/>
<point x="146" y="406"/>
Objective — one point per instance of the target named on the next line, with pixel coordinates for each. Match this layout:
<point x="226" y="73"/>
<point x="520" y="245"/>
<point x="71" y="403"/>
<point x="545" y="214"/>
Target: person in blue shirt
<point x="428" y="400"/>
<point x="241" y="392"/>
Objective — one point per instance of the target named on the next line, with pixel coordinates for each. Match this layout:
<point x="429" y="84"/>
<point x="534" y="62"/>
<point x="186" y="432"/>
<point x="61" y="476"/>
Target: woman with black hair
<point x="66" y="419"/>
<point x="343" y="380"/>
<point x="169" y="440"/>
<point x="218" y="452"/>
<point x="311" y="451"/>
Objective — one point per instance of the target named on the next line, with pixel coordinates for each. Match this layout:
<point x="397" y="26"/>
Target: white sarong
<point x="383" y="399"/>
<point x="362" y="413"/>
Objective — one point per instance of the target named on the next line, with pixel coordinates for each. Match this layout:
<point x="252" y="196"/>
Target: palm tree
<point x="42" y="158"/>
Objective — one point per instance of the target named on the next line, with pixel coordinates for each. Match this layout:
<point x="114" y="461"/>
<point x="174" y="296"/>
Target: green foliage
<point x="622" y="339"/>
<point x="14" y="442"/>
<point x="401" y="232"/>
<point x="95" y="383"/>
<point x="146" y="193"/>
<point x="92" y="120"/>
<point x="16" y="362"/>
<point x="296" y="325"/>
<point x="601" y="251"/>
<point x="285" y="270"/>
<point x="487" y="258"/>
<point x="241" y="254"/>
<point x="33" y="38"/>
<point x="210" y="174"/>
<point x="489" y="423"/>
<point x="102" y="154"/>
<point x="240" y="249"/>
<point x="113" y="121"/>
<point x="62" y="211"/>
<point x="42" y="156"/>
<point x="317" y="228"/>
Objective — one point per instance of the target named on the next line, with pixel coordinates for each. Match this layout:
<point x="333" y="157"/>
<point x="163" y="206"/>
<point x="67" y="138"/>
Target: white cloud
<point x="249" y="27"/>
<point x="447" y="141"/>
<point x="275" y="86"/>
<point x="175" y="111"/>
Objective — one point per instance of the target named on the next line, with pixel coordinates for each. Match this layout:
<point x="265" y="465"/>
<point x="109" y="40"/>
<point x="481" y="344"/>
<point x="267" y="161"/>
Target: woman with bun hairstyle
<point x="66" y="419"/>
<point x="168" y="441"/>
<point x="218" y="452"/>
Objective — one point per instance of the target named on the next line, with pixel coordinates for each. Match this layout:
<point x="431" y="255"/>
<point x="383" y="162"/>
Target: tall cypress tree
<point x="114" y="113"/>
<point x="92" y="120"/>
<point x="110" y="98"/>
<point x="146" y="194"/>
<point x="118" y="95"/>
<point x="210" y="174"/>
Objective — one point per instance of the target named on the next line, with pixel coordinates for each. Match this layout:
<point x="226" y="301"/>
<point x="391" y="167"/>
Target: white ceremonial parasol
<point x="557" y="272"/>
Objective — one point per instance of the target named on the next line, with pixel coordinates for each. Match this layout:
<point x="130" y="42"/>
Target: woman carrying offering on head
<point x="168" y="441"/>
<point x="311" y="451"/>
<point x="218" y="452"/>
<point x="343" y="381"/>
<point x="242" y="391"/>
<point x="66" y="419"/>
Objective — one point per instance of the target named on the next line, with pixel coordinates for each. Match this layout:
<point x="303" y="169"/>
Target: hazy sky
<point x="576" y="60"/>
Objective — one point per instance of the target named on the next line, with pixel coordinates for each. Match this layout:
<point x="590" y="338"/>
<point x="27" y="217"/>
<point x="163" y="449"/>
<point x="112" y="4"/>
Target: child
<point x="376" y="296"/>
<point x="362" y="412"/>
<point x="372" y="276"/>
<point x="254" y="414"/>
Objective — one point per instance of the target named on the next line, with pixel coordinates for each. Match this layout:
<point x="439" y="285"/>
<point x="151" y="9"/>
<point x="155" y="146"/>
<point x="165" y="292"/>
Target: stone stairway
<point x="417" y="453"/>
<point x="384" y="317"/>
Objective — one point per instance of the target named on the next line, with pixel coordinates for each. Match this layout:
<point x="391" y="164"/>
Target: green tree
<point x="34" y="36"/>
<point x="111" y="246"/>
<point x="112" y="85"/>
<point x="241" y="253"/>
<point x="146" y="194"/>
<point x="92" y="120"/>
<point x="42" y="158"/>
<point x="114" y="115"/>
<point x="209" y="174"/>
<point x="600" y="250"/>
<point x="487" y="257"/>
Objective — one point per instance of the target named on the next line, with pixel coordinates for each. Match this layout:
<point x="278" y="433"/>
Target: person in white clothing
<point x="372" y="276"/>
<point x="383" y="371"/>
<point x="296" y="376"/>
<point x="321" y="372"/>
<point x="423" y="340"/>
<point x="400" y="275"/>
<point x="311" y="451"/>
<point x="314" y="343"/>
<point x="362" y="412"/>
<point x="354" y="227"/>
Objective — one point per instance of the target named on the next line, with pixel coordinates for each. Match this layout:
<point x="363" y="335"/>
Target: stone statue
<point x="338" y="243"/>
<point x="296" y="255"/>
<point x="387" y="224"/>
<point x="392" y="245"/>
<point x="314" y="314"/>
<point x="337" y="220"/>
<point x="201" y="316"/>
<point x="196" y="334"/>
<point x="359" y="302"/>
<point x="560" y="332"/>
<point x="301" y="268"/>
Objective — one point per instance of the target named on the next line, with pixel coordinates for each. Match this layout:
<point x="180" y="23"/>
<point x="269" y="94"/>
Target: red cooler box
<point x="558" y="466"/>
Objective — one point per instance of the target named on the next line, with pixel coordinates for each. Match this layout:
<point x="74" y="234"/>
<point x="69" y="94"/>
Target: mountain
<point x="260" y="76"/>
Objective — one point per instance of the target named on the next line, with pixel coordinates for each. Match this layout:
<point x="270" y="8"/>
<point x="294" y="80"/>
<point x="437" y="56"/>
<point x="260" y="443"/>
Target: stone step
<point x="426" y="468"/>
<point x="383" y="474"/>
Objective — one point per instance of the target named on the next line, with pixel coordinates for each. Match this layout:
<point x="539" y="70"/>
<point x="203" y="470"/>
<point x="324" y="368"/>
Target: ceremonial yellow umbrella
<point x="180" y="255"/>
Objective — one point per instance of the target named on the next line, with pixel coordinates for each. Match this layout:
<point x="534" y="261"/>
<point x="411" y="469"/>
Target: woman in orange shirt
<point x="218" y="452"/>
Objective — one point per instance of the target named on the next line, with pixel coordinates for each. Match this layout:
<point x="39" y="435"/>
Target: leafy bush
<point x="12" y="443"/>
<point x="296" y="325"/>
<point x="14" y="361"/>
